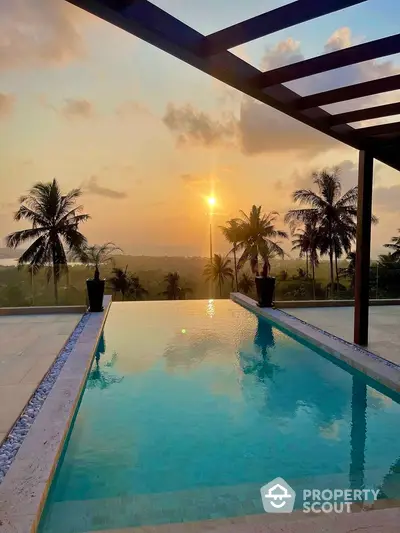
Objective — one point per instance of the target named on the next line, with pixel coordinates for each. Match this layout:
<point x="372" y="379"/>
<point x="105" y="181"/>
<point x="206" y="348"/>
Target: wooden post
<point x="363" y="249"/>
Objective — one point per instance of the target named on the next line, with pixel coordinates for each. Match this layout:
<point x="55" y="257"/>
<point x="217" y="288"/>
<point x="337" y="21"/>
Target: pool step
<point x="377" y="522"/>
<point x="152" y="509"/>
<point x="207" y="503"/>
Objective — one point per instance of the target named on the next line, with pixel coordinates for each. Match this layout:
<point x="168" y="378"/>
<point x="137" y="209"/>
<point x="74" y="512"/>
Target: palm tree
<point x="394" y="245"/>
<point x="173" y="288"/>
<point x="333" y="213"/>
<point x="301" y="242"/>
<point x="218" y="270"/>
<point x="119" y="281"/>
<point x="258" y="239"/>
<point x="55" y="219"/>
<point x="174" y="291"/>
<point x="246" y="283"/>
<point x="314" y="240"/>
<point x="350" y="270"/>
<point x="98" y="254"/>
<point x="232" y="233"/>
<point x="135" y="288"/>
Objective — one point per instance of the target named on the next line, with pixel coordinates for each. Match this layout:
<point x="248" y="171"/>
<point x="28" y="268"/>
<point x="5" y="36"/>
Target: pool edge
<point x="373" y="365"/>
<point x="24" y="489"/>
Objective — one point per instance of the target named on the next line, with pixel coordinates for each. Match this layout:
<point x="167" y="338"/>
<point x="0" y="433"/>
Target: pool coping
<point x="24" y="489"/>
<point x="376" y="367"/>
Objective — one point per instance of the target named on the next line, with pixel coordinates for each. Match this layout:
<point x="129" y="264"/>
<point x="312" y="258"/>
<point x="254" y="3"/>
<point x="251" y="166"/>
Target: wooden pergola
<point x="210" y="53"/>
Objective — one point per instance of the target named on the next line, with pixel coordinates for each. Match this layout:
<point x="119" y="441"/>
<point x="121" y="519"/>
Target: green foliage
<point x="218" y="270"/>
<point x="246" y="284"/>
<point x="332" y="214"/>
<point x="55" y="219"/>
<point x="259" y="239"/>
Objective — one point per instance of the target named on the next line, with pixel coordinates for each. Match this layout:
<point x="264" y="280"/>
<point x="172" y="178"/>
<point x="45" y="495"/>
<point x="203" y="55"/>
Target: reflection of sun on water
<point x="210" y="308"/>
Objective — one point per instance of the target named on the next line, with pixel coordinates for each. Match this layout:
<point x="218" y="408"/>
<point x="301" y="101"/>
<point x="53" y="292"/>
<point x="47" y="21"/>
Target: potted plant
<point x="94" y="256"/>
<point x="265" y="286"/>
<point x="259" y="240"/>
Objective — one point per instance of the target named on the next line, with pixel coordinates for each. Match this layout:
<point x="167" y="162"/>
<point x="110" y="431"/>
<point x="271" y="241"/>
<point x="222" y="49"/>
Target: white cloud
<point x="40" y="32"/>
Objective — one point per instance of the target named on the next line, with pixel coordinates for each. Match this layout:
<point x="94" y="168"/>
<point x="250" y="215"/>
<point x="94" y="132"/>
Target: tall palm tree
<point x="232" y="233"/>
<point x="394" y="244"/>
<point x="119" y="281"/>
<point x="314" y="242"/>
<point x="301" y="242"/>
<point x="246" y="284"/>
<point x="135" y="288"/>
<point x="334" y="213"/>
<point x="350" y="270"/>
<point x="258" y="239"/>
<point x="218" y="270"/>
<point x="174" y="291"/>
<point x="98" y="254"/>
<point x="55" y="219"/>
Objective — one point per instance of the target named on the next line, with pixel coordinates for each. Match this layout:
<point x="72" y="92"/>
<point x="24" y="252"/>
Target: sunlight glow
<point x="211" y="201"/>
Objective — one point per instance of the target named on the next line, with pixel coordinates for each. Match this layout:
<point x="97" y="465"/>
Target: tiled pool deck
<point x="28" y="346"/>
<point x="384" y="332"/>
<point x="25" y="486"/>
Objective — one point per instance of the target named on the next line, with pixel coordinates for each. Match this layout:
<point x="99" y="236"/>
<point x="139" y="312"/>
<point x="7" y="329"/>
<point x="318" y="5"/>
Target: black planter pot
<point x="265" y="291"/>
<point x="95" y="289"/>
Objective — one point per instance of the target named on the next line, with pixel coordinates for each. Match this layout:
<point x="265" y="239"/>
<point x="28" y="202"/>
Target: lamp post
<point x="211" y="202"/>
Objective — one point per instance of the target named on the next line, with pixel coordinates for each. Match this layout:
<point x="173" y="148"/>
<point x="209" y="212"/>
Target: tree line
<point x="323" y="223"/>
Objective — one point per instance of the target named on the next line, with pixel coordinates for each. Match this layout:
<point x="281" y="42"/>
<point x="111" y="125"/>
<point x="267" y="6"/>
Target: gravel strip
<point x="10" y="447"/>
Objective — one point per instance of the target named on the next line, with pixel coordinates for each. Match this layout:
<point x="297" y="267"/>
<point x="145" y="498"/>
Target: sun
<point x="211" y="200"/>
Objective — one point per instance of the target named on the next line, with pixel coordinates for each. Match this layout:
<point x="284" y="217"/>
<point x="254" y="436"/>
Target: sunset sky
<point x="147" y="136"/>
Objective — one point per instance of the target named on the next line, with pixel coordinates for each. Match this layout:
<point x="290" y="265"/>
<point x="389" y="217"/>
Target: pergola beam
<point x="358" y="90"/>
<point x="380" y="129"/>
<point x="157" y="27"/>
<point x="338" y="59"/>
<point x="363" y="248"/>
<point x="271" y="22"/>
<point x="363" y="114"/>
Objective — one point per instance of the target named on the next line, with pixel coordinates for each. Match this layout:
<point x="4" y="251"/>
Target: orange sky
<point x="147" y="137"/>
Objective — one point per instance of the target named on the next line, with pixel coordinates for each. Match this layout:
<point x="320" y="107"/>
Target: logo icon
<point x="278" y="496"/>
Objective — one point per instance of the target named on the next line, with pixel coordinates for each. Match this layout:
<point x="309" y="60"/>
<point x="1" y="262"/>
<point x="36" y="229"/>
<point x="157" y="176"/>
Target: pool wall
<point x="374" y="366"/>
<point x="25" y="487"/>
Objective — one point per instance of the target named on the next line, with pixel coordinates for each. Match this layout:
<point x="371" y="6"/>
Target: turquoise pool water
<point x="192" y="406"/>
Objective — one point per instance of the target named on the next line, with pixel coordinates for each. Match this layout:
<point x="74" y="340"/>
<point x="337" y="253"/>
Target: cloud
<point x="93" y="187"/>
<point x="191" y="179"/>
<point x="258" y="129"/>
<point x="339" y="39"/>
<point x="7" y="102"/>
<point x="387" y="198"/>
<point x="194" y="127"/>
<point x="77" y="108"/>
<point x="39" y="33"/>
<point x="284" y="53"/>
<point x="132" y="107"/>
<point x="255" y="128"/>
<point x="366" y="71"/>
<point x="262" y="129"/>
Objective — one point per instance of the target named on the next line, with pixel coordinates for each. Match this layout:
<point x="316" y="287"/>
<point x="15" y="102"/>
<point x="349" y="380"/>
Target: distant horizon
<point x="159" y="256"/>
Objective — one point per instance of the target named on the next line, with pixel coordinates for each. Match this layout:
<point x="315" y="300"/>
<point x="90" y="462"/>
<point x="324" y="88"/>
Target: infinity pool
<point x="192" y="406"/>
